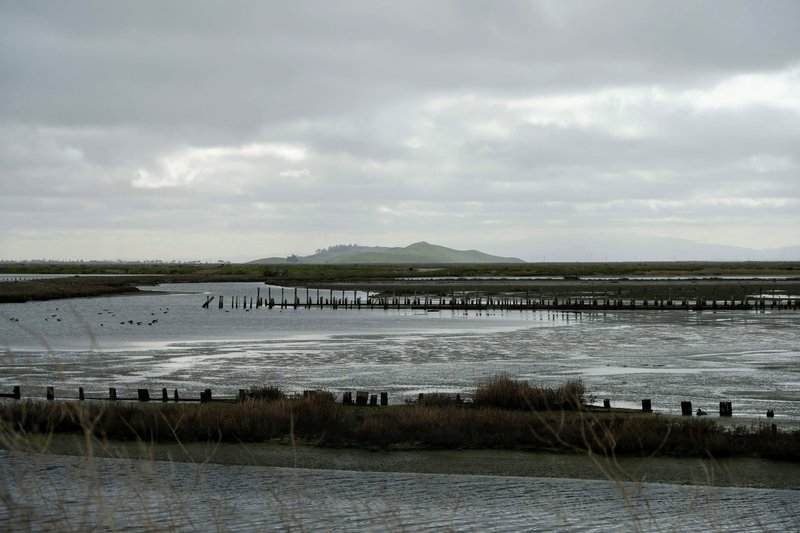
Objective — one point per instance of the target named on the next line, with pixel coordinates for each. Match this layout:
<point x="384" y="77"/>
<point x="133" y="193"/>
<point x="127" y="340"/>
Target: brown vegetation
<point x="448" y="425"/>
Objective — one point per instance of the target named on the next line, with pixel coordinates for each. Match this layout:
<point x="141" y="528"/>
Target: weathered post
<point x="220" y="301"/>
<point x="164" y="395"/>
<point x="384" y="398"/>
<point x="647" y="406"/>
<point x="607" y="403"/>
<point x="143" y="395"/>
<point x="373" y="399"/>
<point x="686" y="408"/>
<point x="362" y="397"/>
<point x="112" y="394"/>
<point x="347" y="398"/>
<point x="16" y="392"/>
<point x="81" y="396"/>
<point x="175" y="396"/>
<point x="51" y="395"/>
<point x="725" y="409"/>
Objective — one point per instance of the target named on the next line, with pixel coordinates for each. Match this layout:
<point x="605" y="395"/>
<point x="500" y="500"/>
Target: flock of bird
<point x="131" y="322"/>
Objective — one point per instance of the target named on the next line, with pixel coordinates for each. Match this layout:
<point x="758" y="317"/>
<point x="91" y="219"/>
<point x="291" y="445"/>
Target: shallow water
<point x="74" y="493"/>
<point x="745" y="357"/>
<point x="167" y="340"/>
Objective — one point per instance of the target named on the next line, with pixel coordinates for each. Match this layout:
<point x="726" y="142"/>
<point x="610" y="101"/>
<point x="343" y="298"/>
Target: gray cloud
<point x="475" y="124"/>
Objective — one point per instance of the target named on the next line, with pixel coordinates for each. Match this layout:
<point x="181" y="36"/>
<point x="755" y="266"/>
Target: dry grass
<point x="502" y="392"/>
<point x="317" y="420"/>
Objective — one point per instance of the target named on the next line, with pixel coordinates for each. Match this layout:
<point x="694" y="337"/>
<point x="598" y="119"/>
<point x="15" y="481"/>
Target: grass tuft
<point x="502" y="392"/>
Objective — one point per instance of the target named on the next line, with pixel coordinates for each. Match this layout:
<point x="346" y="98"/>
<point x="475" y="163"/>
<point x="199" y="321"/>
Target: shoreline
<point x="673" y="281"/>
<point x="729" y="472"/>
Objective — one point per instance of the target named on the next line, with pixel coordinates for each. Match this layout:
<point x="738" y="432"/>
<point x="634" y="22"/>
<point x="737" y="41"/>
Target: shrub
<point x="502" y="392"/>
<point x="268" y="393"/>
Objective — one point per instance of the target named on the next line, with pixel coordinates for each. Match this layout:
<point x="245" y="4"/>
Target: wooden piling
<point x="686" y="408"/>
<point x="112" y="394"/>
<point x="205" y="396"/>
<point x="51" y="395"/>
<point x="164" y="395"/>
<point x="81" y="395"/>
<point x="647" y="406"/>
<point x="175" y="396"/>
<point x="16" y="392"/>
<point x="362" y="397"/>
<point x="725" y="409"/>
<point x="143" y="395"/>
<point x="347" y="398"/>
<point x="607" y="403"/>
<point x="373" y="399"/>
<point x="384" y="398"/>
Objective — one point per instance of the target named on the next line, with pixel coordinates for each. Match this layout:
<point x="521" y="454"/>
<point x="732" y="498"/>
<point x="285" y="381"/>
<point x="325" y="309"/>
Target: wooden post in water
<point x="81" y="396"/>
<point x="16" y="392"/>
<point x="175" y="396"/>
<point x="384" y="398"/>
<point x="164" y="395"/>
<point x="347" y="398"/>
<point x="51" y="395"/>
<point x="112" y="394"/>
<point x="143" y="395"/>
<point x="362" y="397"/>
<point x="607" y="403"/>
<point x="220" y="301"/>
<point x="725" y="409"/>
<point x="686" y="408"/>
<point x="373" y="399"/>
<point x="647" y="406"/>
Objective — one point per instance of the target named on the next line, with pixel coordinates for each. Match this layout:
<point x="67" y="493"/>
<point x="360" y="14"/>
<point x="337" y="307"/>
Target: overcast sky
<point x="238" y="130"/>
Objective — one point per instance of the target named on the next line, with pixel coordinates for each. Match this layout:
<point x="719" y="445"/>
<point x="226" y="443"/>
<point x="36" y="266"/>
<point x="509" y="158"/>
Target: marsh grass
<point x="318" y="421"/>
<point x="265" y="393"/>
<point x="503" y="392"/>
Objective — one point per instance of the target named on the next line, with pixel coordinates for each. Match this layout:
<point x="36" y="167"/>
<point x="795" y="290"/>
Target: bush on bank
<point x="484" y="424"/>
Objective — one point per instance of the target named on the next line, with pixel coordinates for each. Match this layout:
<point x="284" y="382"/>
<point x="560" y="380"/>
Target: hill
<point x="417" y="253"/>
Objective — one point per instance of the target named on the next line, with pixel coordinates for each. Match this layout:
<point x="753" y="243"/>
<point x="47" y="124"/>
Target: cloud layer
<point x="246" y="129"/>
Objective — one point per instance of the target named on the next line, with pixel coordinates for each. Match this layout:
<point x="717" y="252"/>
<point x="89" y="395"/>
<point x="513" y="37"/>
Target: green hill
<point x="417" y="253"/>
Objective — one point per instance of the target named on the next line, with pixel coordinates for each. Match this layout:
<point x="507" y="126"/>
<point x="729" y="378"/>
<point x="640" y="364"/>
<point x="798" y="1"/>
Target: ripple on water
<point x="46" y="491"/>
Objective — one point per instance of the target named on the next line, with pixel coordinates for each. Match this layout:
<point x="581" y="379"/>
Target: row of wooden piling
<point x="206" y="396"/>
<point x="725" y="408"/>
<point x="361" y="398"/>
<point x="491" y="303"/>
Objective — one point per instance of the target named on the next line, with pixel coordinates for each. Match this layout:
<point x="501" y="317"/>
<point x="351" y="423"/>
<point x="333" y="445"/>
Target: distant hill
<point x="419" y="252"/>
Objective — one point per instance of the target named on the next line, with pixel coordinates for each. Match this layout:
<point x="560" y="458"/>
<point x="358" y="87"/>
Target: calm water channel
<point x="72" y="493"/>
<point x="165" y="339"/>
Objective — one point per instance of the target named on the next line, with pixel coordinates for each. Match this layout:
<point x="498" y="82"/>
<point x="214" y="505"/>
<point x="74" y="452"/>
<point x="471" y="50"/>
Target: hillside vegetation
<point x="420" y="252"/>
